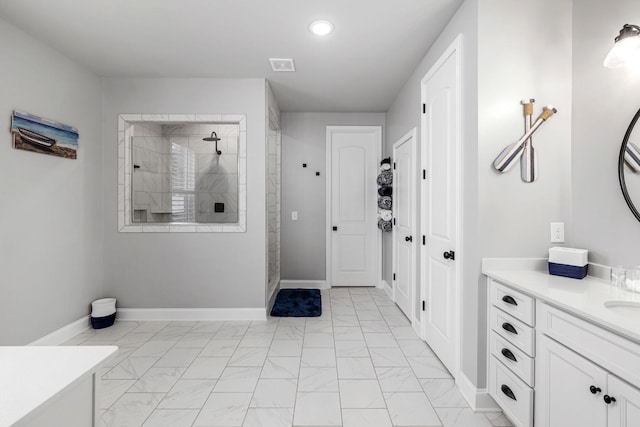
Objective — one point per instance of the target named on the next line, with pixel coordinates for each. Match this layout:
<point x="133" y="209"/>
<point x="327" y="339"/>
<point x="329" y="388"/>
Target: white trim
<point x="478" y="398"/>
<point x="328" y="201"/>
<point x="387" y="289"/>
<point x="126" y="123"/>
<point x="304" y="284"/>
<point x="65" y="333"/>
<point x="272" y="298"/>
<point x="145" y="314"/>
<point x="409" y="136"/>
<point x="455" y="48"/>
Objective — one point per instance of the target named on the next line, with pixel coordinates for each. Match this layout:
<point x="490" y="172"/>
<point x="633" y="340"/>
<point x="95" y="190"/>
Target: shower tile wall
<point x="216" y="176"/>
<point x="273" y="207"/>
<point x="151" y="187"/>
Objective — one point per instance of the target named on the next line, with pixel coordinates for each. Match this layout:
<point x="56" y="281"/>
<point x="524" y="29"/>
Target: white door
<point x="625" y="411"/>
<point x="563" y="395"/>
<point x="353" y="236"/>
<point x="440" y="216"/>
<point x="404" y="234"/>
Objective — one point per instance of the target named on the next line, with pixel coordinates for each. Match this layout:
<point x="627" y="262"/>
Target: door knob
<point x="609" y="399"/>
<point x="408" y="239"/>
<point x="449" y="255"/>
<point x="595" y="390"/>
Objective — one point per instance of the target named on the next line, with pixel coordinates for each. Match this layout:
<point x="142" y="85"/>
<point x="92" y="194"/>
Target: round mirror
<point x="629" y="166"/>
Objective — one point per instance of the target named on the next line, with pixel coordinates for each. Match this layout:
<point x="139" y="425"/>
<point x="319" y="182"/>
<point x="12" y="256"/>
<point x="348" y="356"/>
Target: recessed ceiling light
<point x="321" y="28"/>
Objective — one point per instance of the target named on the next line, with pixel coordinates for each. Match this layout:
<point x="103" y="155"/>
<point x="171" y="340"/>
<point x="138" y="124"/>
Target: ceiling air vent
<point x="282" y="64"/>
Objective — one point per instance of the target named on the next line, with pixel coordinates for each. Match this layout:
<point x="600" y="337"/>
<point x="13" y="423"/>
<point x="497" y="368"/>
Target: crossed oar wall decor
<point x="523" y="148"/>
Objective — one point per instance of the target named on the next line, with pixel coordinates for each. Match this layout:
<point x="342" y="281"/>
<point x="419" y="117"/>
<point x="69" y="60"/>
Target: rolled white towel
<point x="386" y="214"/>
<point x="385" y="167"/>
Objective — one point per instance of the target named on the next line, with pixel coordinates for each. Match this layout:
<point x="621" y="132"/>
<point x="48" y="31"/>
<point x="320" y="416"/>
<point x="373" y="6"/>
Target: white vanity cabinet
<point x="562" y="367"/>
<point x="578" y="371"/>
<point x="569" y="388"/>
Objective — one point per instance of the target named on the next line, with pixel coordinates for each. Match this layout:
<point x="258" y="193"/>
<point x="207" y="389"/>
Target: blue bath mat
<point x="297" y="303"/>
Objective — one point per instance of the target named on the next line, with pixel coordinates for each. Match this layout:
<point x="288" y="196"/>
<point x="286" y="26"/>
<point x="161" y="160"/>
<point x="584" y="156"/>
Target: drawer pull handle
<point x="509" y="300"/>
<point x="509" y="355"/>
<point x="609" y="399"/>
<point x="507" y="391"/>
<point x="595" y="390"/>
<point x="509" y="328"/>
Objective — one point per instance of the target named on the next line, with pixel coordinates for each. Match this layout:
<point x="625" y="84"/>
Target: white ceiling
<point x="359" y="67"/>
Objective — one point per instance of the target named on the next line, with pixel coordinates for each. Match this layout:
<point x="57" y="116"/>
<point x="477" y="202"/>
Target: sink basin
<point x="625" y="308"/>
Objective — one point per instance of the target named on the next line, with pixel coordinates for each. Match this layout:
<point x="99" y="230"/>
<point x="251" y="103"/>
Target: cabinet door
<point x="625" y="411"/>
<point x="563" y="394"/>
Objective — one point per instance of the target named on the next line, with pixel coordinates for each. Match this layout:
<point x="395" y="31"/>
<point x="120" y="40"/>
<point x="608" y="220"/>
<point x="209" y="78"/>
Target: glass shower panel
<point x="183" y="174"/>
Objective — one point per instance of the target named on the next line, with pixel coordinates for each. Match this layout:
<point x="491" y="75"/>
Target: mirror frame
<point x="126" y="123"/>
<point x="623" y="150"/>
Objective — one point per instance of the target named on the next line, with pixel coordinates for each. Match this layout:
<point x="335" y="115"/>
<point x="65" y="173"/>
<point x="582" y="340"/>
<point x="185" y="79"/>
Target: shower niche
<point x="182" y="173"/>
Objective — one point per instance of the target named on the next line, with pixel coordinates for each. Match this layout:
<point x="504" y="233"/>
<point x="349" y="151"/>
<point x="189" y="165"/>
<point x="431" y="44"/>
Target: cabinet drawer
<point x="616" y="354"/>
<point x="517" y="304"/>
<point x="522" y="366"/>
<point x="513" y="330"/>
<point x="512" y="394"/>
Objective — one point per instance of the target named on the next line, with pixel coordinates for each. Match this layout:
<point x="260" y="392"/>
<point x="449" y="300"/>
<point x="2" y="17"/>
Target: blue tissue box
<point x="565" y="270"/>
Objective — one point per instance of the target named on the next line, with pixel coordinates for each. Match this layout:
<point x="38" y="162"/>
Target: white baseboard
<point x="65" y="333"/>
<point x="477" y="398"/>
<point x="387" y="289"/>
<point x="204" y="314"/>
<point x="304" y="284"/>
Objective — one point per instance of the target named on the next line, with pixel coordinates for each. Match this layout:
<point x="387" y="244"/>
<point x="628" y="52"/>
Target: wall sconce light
<point x="626" y="49"/>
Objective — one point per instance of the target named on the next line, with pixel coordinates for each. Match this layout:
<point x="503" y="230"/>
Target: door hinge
<point x="424" y="174"/>
<point x="424" y="306"/>
<point x="424" y="239"/>
<point x="424" y="108"/>
<point x="394" y="165"/>
<point x="394" y="221"/>
<point x="394" y="276"/>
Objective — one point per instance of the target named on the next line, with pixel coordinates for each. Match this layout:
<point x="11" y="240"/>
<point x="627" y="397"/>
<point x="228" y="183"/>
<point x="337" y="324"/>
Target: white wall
<point x="404" y="115"/>
<point x="604" y="102"/>
<point x="304" y="141"/>
<point x="210" y="270"/>
<point x="50" y="235"/>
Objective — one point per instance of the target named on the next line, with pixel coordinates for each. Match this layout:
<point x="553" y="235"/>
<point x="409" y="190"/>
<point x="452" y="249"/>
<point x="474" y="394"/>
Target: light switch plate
<point x="294" y="215"/>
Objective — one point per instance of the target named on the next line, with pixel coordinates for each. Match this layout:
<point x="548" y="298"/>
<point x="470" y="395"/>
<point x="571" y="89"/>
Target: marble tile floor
<point x="358" y="365"/>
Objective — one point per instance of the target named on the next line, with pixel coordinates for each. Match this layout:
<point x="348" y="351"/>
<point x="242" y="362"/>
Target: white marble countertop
<point x="584" y="298"/>
<point x="31" y="375"/>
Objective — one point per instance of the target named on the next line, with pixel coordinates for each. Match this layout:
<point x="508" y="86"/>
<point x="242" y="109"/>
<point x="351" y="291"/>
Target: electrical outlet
<point x="294" y="215"/>
<point x="557" y="232"/>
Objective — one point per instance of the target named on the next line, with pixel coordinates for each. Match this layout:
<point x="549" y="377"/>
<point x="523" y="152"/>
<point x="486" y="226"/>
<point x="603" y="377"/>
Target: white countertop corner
<point x="32" y="375"/>
<point x="584" y="298"/>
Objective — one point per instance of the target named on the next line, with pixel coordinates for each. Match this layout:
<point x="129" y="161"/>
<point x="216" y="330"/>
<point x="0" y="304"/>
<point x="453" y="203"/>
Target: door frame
<point x="328" y="223"/>
<point x="455" y="48"/>
<point x="414" y="229"/>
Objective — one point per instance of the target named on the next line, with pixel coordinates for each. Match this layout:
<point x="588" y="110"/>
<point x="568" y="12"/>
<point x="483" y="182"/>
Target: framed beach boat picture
<point x="40" y="135"/>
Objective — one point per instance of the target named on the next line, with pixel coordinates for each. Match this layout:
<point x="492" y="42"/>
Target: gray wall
<point x="403" y="116"/>
<point x="212" y="270"/>
<point x="604" y="102"/>
<point x="51" y="259"/>
<point x="534" y="61"/>
<point x="304" y="141"/>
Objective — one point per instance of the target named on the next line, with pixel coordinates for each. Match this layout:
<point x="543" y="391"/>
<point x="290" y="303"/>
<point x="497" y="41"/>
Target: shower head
<point x="213" y="138"/>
